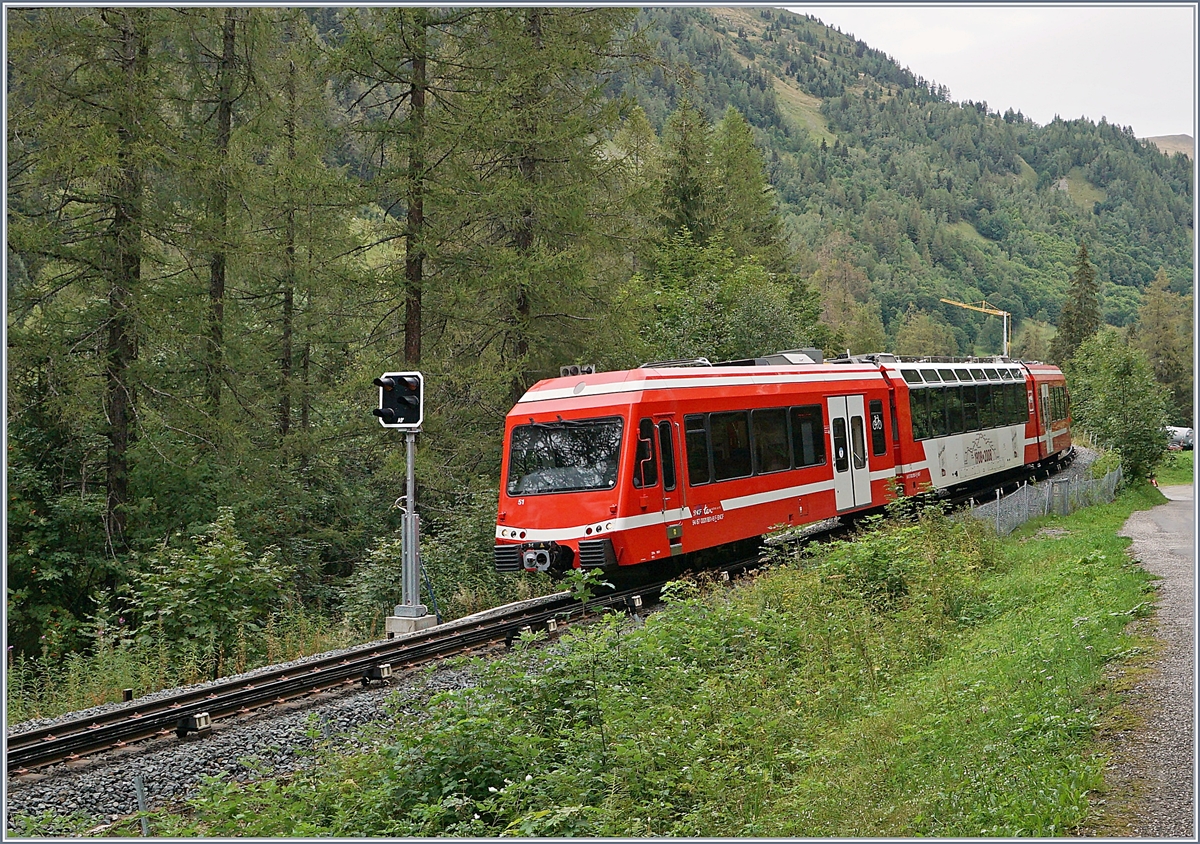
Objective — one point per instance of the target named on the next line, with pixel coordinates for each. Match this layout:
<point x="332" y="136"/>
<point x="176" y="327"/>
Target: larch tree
<point x="86" y="130"/>
<point x="86" y="94"/>
<point x="745" y="214"/>
<point x="539" y="127"/>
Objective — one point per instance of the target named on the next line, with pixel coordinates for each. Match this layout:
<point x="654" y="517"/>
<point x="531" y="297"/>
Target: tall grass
<point x="44" y="687"/>
<point x="926" y="679"/>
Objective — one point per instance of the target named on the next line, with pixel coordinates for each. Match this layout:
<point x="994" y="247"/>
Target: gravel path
<point x="1150" y="773"/>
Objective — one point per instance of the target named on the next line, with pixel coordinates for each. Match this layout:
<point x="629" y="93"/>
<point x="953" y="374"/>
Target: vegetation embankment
<point x="925" y="679"/>
<point x="1177" y="468"/>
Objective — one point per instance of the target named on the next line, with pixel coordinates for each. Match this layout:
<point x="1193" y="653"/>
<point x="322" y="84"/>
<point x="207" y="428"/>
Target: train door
<point x="672" y="483"/>
<point x="1045" y="435"/>
<point x="848" y="431"/>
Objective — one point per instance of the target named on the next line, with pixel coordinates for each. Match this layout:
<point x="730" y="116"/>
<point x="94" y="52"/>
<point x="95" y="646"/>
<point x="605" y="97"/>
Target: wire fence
<point x="1060" y="496"/>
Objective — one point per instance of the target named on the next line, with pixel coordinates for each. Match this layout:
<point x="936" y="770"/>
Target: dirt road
<point x="1151" y="770"/>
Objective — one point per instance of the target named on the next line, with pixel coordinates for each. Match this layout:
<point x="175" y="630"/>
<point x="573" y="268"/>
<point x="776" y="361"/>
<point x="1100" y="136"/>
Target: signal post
<point x="402" y="406"/>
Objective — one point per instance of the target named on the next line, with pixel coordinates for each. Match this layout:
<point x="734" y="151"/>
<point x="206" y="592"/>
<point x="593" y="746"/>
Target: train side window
<point x="730" y="438"/>
<point x="841" y="460"/>
<point x="878" y="438"/>
<point x="918" y="404"/>
<point x="987" y="416"/>
<point x="858" y="442"/>
<point x="696" y="444"/>
<point x="954" y="410"/>
<point x="937" y="412"/>
<point x="911" y="376"/>
<point x="770" y="440"/>
<point x="645" y="458"/>
<point x="1020" y="403"/>
<point x="970" y="407"/>
<point x="808" y="436"/>
<point x="667" y="449"/>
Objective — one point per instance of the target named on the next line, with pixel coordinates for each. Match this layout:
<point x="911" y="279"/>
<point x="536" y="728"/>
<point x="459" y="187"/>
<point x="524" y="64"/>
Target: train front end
<point x="560" y="478"/>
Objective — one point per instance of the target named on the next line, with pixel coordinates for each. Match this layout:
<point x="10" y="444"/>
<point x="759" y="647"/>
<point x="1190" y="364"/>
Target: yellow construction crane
<point x="984" y="307"/>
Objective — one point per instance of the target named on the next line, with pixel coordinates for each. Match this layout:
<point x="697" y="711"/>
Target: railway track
<point x="197" y="710"/>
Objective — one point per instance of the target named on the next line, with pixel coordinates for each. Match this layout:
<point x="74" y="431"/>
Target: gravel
<point x="35" y="723"/>
<point x="274" y="742"/>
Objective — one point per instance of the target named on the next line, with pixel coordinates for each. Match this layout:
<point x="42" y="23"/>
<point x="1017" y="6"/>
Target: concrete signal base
<point x="403" y="625"/>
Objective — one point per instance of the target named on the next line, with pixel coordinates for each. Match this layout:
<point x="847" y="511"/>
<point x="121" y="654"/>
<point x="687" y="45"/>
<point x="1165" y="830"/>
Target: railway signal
<point x="402" y="406"/>
<point x="401" y="400"/>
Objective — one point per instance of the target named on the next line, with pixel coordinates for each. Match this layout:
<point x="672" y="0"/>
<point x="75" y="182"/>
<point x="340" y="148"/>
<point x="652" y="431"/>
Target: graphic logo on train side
<point x="980" y="450"/>
<point x="707" y="513"/>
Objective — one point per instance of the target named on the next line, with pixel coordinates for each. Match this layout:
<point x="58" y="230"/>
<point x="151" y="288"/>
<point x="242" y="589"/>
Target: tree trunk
<point x="415" y="223"/>
<point x="125" y="236"/>
<point x="289" y="270"/>
<point x="220" y="212"/>
<point x="523" y="238"/>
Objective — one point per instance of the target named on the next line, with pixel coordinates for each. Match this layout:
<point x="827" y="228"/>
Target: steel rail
<point x="139" y="720"/>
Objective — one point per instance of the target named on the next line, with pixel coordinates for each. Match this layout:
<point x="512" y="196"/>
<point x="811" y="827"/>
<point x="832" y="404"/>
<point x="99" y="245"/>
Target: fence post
<point x="997" y="511"/>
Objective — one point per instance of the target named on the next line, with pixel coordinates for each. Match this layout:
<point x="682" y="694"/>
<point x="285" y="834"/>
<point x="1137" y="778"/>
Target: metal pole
<point x="410" y="592"/>
<point x="997" y="511"/>
<point x="139" y="788"/>
<point x="410" y="555"/>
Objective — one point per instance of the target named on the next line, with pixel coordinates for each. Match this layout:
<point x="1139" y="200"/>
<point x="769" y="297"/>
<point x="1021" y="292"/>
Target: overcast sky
<point x="1134" y="64"/>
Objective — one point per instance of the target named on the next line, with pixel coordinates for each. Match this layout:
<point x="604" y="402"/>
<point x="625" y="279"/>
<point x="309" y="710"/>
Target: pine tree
<point x="1080" y="316"/>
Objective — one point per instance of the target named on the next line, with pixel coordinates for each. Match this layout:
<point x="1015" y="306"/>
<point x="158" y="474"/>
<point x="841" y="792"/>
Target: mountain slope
<point x="915" y="198"/>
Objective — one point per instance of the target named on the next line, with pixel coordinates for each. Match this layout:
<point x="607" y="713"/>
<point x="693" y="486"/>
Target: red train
<point x="622" y="468"/>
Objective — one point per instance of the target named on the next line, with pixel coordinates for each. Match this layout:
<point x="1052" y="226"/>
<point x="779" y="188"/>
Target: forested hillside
<point x="223" y="223"/>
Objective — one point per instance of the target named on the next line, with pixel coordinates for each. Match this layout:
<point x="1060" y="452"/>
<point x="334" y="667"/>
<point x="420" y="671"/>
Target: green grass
<point x="925" y="680"/>
<point x="968" y="232"/>
<point x="1028" y="176"/>
<point x="1178" y="468"/>
<point x="1083" y="192"/>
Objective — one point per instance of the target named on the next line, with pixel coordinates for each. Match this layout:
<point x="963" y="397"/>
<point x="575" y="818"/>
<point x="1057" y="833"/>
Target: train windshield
<point x="564" y="456"/>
